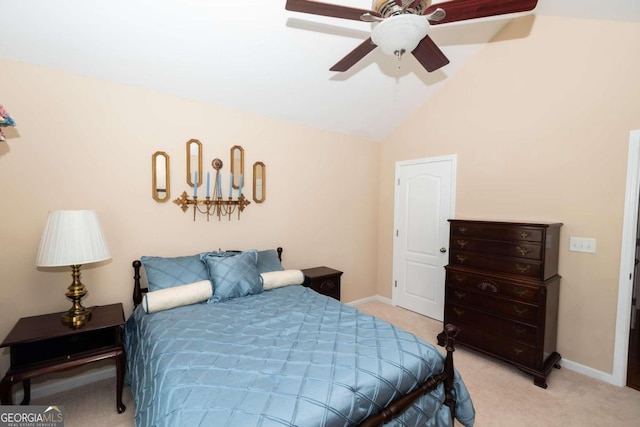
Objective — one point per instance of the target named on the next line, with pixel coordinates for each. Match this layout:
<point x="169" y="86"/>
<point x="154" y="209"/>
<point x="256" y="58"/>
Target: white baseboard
<point x="375" y="298"/>
<point x="53" y="386"/>
<point x="590" y="372"/>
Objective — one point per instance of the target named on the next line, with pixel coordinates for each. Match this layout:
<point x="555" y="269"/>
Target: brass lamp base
<point x="76" y="320"/>
<point x="77" y="316"/>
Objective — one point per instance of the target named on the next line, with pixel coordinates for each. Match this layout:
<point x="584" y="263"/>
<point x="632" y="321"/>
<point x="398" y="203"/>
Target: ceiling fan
<point x="402" y="25"/>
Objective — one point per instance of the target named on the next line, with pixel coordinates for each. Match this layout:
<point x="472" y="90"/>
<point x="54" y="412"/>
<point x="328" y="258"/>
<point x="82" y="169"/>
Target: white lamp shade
<point x="400" y="33"/>
<point x="72" y="238"/>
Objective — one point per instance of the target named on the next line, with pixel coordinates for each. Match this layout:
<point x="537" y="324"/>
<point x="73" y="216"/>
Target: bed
<point x="281" y="355"/>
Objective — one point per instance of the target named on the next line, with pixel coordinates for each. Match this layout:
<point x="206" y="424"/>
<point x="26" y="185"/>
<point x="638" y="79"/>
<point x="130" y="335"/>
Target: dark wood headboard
<point x="138" y="290"/>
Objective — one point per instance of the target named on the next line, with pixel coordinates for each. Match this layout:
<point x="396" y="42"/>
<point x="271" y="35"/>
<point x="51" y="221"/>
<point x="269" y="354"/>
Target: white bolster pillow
<point x="177" y="296"/>
<point x="277" y="279"/>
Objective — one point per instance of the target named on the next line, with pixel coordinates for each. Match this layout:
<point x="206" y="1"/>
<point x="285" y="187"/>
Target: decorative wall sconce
<point x="5" y="121"/>
<point x="214" y="204"/>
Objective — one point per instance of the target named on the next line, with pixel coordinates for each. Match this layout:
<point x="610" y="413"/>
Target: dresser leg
<point x="540" y="381"/>
<point x="120" y="367"/>
<point x="540" y="376"/>
<point x="26" y="385"/>
<point x="5" y="391"/>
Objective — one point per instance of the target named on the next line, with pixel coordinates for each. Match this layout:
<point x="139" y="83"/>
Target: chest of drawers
<point x="502" y="289"/>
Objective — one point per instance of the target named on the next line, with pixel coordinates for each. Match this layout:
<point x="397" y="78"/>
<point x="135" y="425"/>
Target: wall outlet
<point x="582" y="244"/>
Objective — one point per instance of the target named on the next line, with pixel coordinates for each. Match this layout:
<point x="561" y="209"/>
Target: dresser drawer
<point x="510" y="249"/>
<point x="511" y="309"/>
<point x="522" y="267"/>
<point x="516" y="331"/>
<point x="497" y="345"/>
<point x="491" y="285"/>
<point x="496" y="232"/>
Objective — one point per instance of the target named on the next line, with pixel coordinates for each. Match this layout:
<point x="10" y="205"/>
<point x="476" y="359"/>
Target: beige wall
<point x="541" y="129"/>
<point x="83" y="143"/>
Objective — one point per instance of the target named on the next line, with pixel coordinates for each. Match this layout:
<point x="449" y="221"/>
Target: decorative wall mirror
<point x="160" y="176"/>
<point x="194" y="161"/>
<point x="237" y="165"/>
<point x="259" y="182"/>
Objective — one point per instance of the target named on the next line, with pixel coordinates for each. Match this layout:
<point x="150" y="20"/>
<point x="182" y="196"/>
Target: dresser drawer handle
<point x="521" y="292"/>
<point x="518" y="350"/>
<point x="523" y="268"/>
<point x="519" y="330"/>
<point x="462" y="229"/>
<point x="461" y="258"/>
<point x="524" y="234"/>
<point x="327" y="284"/>
<point x="523" y="251"/>
<point x="486" y="285"/>
<point x="520" y="310"/>
<point x="458" y="311"/>
<point x="460" y="295"/>
<point x="460" y="278"/>
<point x="462" y="243"/>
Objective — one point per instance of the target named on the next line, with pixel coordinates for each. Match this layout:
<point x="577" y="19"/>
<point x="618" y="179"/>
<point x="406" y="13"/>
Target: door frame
<point x="453" y="158"/>
<point x="627" y="262"/>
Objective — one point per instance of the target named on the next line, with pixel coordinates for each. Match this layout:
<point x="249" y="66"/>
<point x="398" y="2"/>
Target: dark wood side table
<point x="323" y="280"/>
<point x="42" y="344"/>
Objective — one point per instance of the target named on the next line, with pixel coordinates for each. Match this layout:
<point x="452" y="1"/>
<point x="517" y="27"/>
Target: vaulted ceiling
<point x="254" y="55"/>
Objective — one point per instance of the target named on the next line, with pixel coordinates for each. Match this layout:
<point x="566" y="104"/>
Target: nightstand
<point x="323" y="280"/>
<point x="42" y="344"/>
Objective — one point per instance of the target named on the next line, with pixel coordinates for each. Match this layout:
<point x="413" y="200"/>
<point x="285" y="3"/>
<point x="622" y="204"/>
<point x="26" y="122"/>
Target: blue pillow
<point x="234" y="275"/>
<point x="163" y="273"/>
<point x="268" y="261"/>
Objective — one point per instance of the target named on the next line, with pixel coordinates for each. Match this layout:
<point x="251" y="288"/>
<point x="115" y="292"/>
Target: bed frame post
<point x="446" y="377"/>
<point x="137" y="291"/>
<point x="450" y="332"/>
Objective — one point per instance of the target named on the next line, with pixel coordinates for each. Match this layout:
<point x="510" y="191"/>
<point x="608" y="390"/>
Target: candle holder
<point x="215" y="205"/>
<point x="212" y="206"/>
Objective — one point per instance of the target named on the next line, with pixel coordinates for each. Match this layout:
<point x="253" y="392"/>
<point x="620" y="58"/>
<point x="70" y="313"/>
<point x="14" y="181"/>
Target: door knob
<point x="443" y="250"/>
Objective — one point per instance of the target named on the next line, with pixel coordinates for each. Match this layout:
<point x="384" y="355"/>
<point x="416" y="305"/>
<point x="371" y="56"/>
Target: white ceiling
<point x="253" y="55"/>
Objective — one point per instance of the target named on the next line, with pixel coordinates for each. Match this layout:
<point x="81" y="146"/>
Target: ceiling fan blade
<point x="354" y="56"/>
<point x="429" y="55"/>
<point x="461" y="10"/>
<point x="327" y="9"/>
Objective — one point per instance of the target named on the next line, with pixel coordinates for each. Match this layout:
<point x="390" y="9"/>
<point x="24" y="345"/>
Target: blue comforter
<point x="286" y="357"/>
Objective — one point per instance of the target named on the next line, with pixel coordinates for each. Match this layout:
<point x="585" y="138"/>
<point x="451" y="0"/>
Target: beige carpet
<point x="502" y="395"/>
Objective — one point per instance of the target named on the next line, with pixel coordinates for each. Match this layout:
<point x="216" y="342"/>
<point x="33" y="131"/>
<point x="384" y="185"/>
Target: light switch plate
<point x="582" y="244"/>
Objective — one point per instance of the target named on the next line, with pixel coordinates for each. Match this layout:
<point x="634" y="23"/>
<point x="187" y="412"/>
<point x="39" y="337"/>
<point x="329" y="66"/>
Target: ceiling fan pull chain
<point x="399" y="56"/>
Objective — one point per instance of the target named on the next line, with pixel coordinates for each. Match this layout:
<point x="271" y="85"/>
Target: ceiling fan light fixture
<point x="399" y="34"/>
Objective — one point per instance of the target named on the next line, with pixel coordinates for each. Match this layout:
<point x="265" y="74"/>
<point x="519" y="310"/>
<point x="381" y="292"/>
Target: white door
<point x="424" y="201"/>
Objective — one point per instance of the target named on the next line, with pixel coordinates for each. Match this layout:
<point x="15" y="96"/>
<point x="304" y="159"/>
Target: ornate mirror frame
<point x="237" y="165"/>
<point x="160" y="183"/>
<point x="259" y="182"/>
<point x="194" y="161"/>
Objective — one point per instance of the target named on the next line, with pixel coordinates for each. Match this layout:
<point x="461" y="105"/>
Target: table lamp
<point x="73" y="238"/>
